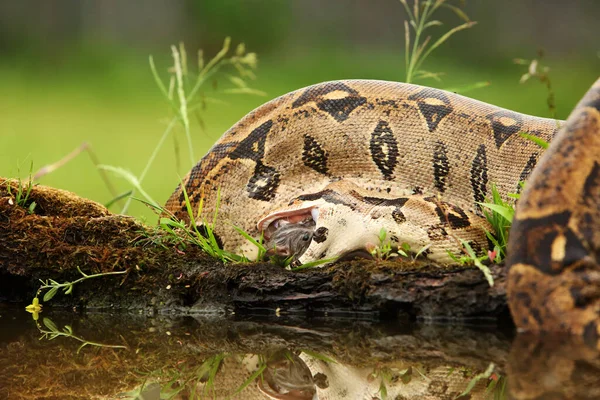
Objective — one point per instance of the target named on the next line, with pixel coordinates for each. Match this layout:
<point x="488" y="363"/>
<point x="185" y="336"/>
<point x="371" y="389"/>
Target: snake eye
<point x="306" y="236"/>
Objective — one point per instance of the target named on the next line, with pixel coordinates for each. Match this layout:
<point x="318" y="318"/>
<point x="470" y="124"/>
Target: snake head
<point x="315" y="230"/>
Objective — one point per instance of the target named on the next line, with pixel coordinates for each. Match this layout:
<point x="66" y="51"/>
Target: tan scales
<point x="390" y="139"/>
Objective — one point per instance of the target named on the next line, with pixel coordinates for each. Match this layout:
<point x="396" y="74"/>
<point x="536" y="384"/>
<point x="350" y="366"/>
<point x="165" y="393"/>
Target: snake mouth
<point x="269" y="224"/>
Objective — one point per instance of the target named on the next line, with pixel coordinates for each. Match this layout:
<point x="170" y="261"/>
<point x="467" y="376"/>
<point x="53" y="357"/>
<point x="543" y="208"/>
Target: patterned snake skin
<point x="360" y="155"/>
<point x="554" y="249"/>
<point x="356" y="156"/>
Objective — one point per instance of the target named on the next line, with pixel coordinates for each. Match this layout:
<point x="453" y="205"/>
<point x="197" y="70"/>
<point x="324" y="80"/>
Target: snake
<point x="554" y="244"/>
<point x="353" y="159"/>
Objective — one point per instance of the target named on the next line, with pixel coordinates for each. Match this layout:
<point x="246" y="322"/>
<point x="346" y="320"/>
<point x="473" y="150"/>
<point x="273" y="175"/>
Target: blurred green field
<point x="117" y="108"/>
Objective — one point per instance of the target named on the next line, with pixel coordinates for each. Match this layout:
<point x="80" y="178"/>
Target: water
<point x="65" y="355"/>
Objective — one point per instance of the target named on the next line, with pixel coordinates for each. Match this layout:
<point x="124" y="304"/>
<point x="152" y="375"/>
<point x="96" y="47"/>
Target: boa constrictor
<point x="360" y="155"/>
<point x="554" y="247"/>
<point x="357" y="156"/>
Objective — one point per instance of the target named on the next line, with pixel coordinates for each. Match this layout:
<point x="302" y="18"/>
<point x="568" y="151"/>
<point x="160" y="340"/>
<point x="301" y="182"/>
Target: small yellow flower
<point x="35" y="308"/>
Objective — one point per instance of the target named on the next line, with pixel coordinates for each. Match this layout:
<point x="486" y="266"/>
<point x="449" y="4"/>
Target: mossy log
<point x="65" y="232"/>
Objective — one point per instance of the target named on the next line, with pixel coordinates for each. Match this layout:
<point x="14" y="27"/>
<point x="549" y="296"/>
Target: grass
<point x="124" y="119"/>
<point x="417" y="46"/>
<point x="384" y="250"/>
<point x="187" y="92"/>
<point x="198" y="232"/>
<point x="185" y="95"/>
<point x="535" y="70"/>
<point x="499" y="214"/>
<point x="21" y="195"/>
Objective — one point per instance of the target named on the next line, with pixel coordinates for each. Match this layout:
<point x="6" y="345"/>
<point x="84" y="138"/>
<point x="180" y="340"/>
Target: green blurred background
<point x="75" y="71"/>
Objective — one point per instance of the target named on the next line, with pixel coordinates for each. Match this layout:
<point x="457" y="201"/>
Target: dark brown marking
<point x="204" y="232"/>
<point x="313" y="155"/>
<point x="398" y="216"/>
<point x="590" y="334"/>
<point x="535" y="313"/>
<point x="316" y="92"/>
<point x="476" y="247"/>
<point x="388" y="102"/>
<point x="527" y="170"/>
<point x="450" y="214"/>
<point x="202" y="168"/>
<point x="340" y="109"/>
<point x="384" y="149"/>
<point x="433" y="113"/>
<point x="591" y="99"/>
<point x="441" y="166"/>
<point x="263" y="184"/>
<point x="479" y="175"/>
<point x="320" y="234"/>
<point x="588" y="228"/>
<point x="524" y="298"/>
<point x="436" y="232"/>
<point x="579" y="300"/>
<point x="377" y="201"/>
<point x="591" y="187"/>
<point x="329" y="196"/>
<point x="397" y="203"/>
<point x="253" y="146"/>
<point x="501" y="131"/>
<point x="587" y="222"/>
<point x="533" y="246"/>
<point x="265" y="180"/>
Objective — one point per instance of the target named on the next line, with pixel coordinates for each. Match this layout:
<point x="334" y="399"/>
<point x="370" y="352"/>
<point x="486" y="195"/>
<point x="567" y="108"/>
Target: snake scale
<point x="355" y="156"/>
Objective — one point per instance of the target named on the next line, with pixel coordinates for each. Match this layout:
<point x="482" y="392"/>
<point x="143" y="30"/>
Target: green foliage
<point x="205" y="238"/>
<point x="319" y="356"/>
<point x="499" y="214"/>
<point x="67" y="287"/>
<point x="417" y="47"/>
<point x="539" y="141"/>
<point x="183" y="378"/>
<point x="23" y="192"/>
<point x="53" y="332"/>
<point x="477" y="260"/>
<point x="388" y="375"/>
<point x="262" y="250"/>
<point x="185" y="96"/>
<point x="262" y="365"/>
<point x="384" y="249"/>
<point x="133" y="181"/>
<point x="484" y="375"/>
<point x="315" y="263"/>
<point x="535" y="70"/>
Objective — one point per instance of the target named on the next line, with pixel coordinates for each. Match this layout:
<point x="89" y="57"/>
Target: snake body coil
<point x="360" y="155"/>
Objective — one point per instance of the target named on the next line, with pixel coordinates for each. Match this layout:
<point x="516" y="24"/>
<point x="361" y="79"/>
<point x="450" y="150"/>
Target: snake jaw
<point x="269" y="224"/>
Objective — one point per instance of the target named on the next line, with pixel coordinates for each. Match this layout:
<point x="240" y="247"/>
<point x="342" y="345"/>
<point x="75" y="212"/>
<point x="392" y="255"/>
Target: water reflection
<point x="553" y="367"/>
<point x="152" y="357"/>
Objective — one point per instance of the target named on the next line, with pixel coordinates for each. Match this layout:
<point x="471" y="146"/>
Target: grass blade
<point x="506" y="212"/>
<point x="469" y="87"/>
<point x="539" y="141"/>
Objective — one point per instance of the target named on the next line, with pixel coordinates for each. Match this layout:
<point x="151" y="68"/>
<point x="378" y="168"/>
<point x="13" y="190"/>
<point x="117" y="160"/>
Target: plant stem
<point x="83" y="278"/>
